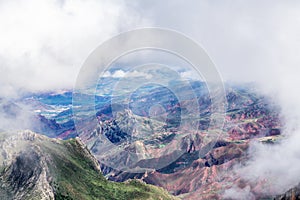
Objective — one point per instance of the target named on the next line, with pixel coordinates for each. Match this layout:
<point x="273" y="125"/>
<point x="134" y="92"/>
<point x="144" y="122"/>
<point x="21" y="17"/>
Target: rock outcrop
<point x="37" y="167"/>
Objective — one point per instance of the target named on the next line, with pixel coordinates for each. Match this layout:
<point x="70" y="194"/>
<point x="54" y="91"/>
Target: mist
<point x="277" y="165"/>
<point x="44" y="43"/>
<point x="15" y="117"/>
<point x="251" y="41"/>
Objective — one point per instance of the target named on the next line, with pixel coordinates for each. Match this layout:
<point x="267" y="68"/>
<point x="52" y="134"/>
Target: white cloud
<point x="236" y="193"/>
<point x="190" y="75"/>
<point x="131" y="74"/>
<point x="249" y="41"/>
<point x="44" y="43"/>
<point x="118" y="74"/>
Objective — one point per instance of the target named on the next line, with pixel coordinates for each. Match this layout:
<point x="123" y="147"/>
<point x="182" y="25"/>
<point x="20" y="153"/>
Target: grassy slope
<point x="75" y="177"/>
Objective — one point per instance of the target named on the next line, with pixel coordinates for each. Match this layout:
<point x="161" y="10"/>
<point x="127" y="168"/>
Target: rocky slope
<point x="192" y="177"/>
<point x="292" y="194"/>
<point x="37" y="167"/>
<point x="196" y="174"/>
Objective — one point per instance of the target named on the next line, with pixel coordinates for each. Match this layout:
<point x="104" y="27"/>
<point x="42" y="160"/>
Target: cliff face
<point x="292" y="194"/>
<point x="37" y="167"/>
<point x="24" y="170"/>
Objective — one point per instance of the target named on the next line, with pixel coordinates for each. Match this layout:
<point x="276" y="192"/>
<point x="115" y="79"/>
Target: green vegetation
<point x="75" y="177"/>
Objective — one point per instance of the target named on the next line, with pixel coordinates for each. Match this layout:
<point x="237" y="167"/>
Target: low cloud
<point x="190" y="75"/>
<point x="132" y="74"/>
<point x="44" y="43"/>
<point x="236" y="193"/>
<point x="15" y="116"/>
<point x="250" y="41"/>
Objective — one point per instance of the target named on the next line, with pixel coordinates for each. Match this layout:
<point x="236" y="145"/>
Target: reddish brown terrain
<point x="204" y="170"/>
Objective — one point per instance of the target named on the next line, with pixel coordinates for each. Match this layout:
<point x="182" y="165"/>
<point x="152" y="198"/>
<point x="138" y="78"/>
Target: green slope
<point x="71" y="173"/>
<point x="76" y="178"/>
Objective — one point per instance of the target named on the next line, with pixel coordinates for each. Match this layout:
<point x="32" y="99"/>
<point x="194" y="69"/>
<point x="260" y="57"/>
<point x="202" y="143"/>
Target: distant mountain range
<point x="148" y="140"/>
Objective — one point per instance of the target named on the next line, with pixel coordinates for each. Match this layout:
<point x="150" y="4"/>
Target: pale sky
<point x="44" y="43"/>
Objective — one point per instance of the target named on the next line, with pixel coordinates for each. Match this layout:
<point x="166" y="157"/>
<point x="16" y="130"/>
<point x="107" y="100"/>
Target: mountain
<point x="19" y="116"/>
<point x="143" y="133"/>
<point x="37" y="167"/>
<point x="293" y="194"/>
<point x="203" y="170"/>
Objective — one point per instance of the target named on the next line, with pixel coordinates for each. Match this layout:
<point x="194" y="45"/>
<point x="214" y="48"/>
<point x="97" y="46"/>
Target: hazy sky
<point x="44" y="43"/>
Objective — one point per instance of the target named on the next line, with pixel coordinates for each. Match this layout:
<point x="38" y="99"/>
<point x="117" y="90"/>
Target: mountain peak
<point x="38" y="167"/>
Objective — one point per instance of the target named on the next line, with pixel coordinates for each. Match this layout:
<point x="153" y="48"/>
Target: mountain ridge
<point x="46" y="168"/>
